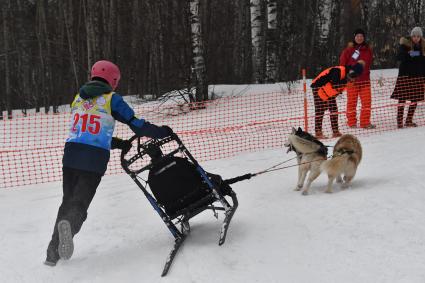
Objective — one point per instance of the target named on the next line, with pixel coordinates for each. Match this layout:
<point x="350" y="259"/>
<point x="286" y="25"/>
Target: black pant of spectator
<point x="410" y="113"/>
<point x="320" y="107"/>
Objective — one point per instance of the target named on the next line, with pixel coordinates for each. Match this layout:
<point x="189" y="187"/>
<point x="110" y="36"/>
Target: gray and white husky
<point x="311" y="153"/>
<point x="312" y="157"/>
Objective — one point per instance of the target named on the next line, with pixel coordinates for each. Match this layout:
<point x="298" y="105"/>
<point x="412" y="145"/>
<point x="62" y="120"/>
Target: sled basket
<point x="177" y="187"/>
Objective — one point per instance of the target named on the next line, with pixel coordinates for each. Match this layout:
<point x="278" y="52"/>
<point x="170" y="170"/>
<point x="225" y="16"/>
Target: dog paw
<point x="328" y="191"/>
<point x="305" y="193"/>
<point x="298" y="188"/>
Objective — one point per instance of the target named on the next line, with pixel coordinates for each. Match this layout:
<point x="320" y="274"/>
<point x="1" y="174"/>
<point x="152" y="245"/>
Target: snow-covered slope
<point x="372" y="232"/>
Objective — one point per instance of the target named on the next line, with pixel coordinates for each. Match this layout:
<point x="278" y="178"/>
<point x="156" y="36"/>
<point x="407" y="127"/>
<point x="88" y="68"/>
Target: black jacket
<point x="412" y="66"/>
<point x="334" y="77"/>
<point x="411" y="75"/>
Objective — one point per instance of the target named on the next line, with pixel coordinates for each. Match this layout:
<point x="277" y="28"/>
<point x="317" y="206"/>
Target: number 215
<point x="93" y="121"/>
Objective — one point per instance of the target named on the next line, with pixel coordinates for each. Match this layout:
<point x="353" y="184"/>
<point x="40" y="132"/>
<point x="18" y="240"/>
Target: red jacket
<point x="346" y="58"/>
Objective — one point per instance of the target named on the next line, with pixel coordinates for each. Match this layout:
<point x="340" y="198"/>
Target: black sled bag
<point x="176" y="184"/>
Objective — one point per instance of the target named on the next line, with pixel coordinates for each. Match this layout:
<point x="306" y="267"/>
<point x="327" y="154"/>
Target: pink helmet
<point x="107" y="71"/>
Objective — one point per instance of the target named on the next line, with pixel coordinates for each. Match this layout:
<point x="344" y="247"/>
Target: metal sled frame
<point x="181" y="218"/>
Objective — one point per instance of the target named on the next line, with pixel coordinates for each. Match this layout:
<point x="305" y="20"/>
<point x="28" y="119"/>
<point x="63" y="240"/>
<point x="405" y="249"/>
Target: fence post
<point x="305" y="101"/>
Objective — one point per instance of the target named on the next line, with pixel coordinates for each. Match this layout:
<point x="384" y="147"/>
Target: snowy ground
<point x="372" y="232"/>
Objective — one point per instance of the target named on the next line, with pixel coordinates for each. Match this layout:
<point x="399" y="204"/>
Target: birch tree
<point x="198" y="61"/>
<point x="258" y="40"/>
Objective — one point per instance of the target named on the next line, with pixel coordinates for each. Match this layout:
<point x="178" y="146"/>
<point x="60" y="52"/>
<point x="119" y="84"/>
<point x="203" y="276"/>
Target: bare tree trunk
<point x="7" y="70"/>
<point x="242" y="41"/>
<point x="352" y="18"/>
<point x="271" y="63"/>
<point x="112" y="29"/>
<point x="159" y="62"/>
<point x="135" y="39"/>
<point x="418" y="7"/>
<point x="315" y="25"/>
<point x="44" y="53"/>
<point x="67" y="14"/>
<point x="364" y="12"/>
<point x="258" y="40"/>
<point x="89" y="32"/>
<point x="238" y="40"/>
<point x="23" y="48"/>
<point x="198" y="61"/>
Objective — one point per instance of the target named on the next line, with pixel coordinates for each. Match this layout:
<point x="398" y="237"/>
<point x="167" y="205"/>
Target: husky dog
<point x="346" y="157"/>
<point x="311" y="153"/>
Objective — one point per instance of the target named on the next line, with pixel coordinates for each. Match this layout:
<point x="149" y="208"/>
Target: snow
<point x="371" y="232"/>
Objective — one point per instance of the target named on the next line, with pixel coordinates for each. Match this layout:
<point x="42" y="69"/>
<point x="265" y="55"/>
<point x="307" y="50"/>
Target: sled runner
<point x="177" y="187"/>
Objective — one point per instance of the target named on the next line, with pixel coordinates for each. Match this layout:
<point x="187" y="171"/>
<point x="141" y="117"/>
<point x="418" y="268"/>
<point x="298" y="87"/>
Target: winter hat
<point x="359" y="31"/>
<point x="416" y="31"/>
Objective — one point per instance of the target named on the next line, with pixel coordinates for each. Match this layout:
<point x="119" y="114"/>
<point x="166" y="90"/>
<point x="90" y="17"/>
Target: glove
<point x="124" y="145"/>
<point x="167" y="130"/>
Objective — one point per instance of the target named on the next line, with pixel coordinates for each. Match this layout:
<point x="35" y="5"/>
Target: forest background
<point x="48" y="46"/>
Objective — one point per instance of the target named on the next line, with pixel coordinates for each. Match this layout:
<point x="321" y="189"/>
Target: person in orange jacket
<point x="326" y="87"/>
<point x="358" y="49"/>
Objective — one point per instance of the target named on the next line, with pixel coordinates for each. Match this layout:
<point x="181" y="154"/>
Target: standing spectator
<point x="326" y="87"/>
<point x="411" y="75"/>
<point x="358" y="49"/>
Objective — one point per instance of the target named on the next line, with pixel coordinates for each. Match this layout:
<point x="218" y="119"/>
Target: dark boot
<point x="410" y="113"/>
<point x="336" y="134"/>
<point x="52" y="254"/>
<point x="400" y="113"/>
<point x="319" y="135"/>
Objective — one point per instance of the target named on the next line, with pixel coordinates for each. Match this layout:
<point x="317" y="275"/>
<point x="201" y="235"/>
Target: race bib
<point x="92" y="121"/>
<point x="356" y="55"/>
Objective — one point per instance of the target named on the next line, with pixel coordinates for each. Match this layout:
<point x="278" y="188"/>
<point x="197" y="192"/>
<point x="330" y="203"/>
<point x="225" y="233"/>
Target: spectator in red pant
<point x="358" y="49"/>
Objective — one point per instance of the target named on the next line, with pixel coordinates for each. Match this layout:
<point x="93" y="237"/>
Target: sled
<point x="177" y="187"/>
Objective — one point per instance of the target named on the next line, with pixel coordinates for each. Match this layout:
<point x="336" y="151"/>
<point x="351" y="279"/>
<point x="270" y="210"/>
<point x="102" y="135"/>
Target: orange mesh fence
<point x="31" y="147"/>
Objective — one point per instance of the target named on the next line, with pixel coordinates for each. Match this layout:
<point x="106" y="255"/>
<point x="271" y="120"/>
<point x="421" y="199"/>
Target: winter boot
<point x="409" y="119"/>
<point x="52" y="255"/>
<point x="370" y="126"/>
<point x="336" y="134"/>
<point x="400" y="112"/>
<point x="66" y="243"/>
<point x="319" y="135"/>
<point x="410" y="124"/>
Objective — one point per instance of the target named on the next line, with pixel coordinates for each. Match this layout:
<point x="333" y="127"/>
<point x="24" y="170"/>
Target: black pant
<point x="410" y="112"/>
<point x="320" y="107"/>
<point x="79" y="188"/>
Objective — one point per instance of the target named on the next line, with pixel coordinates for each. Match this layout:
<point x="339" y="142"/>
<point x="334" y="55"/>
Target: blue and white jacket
<point x="94" y="111"/>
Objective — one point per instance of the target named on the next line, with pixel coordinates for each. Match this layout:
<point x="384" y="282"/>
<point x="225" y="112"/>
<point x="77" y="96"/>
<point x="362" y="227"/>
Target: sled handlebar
<point x="149" y="147"/>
